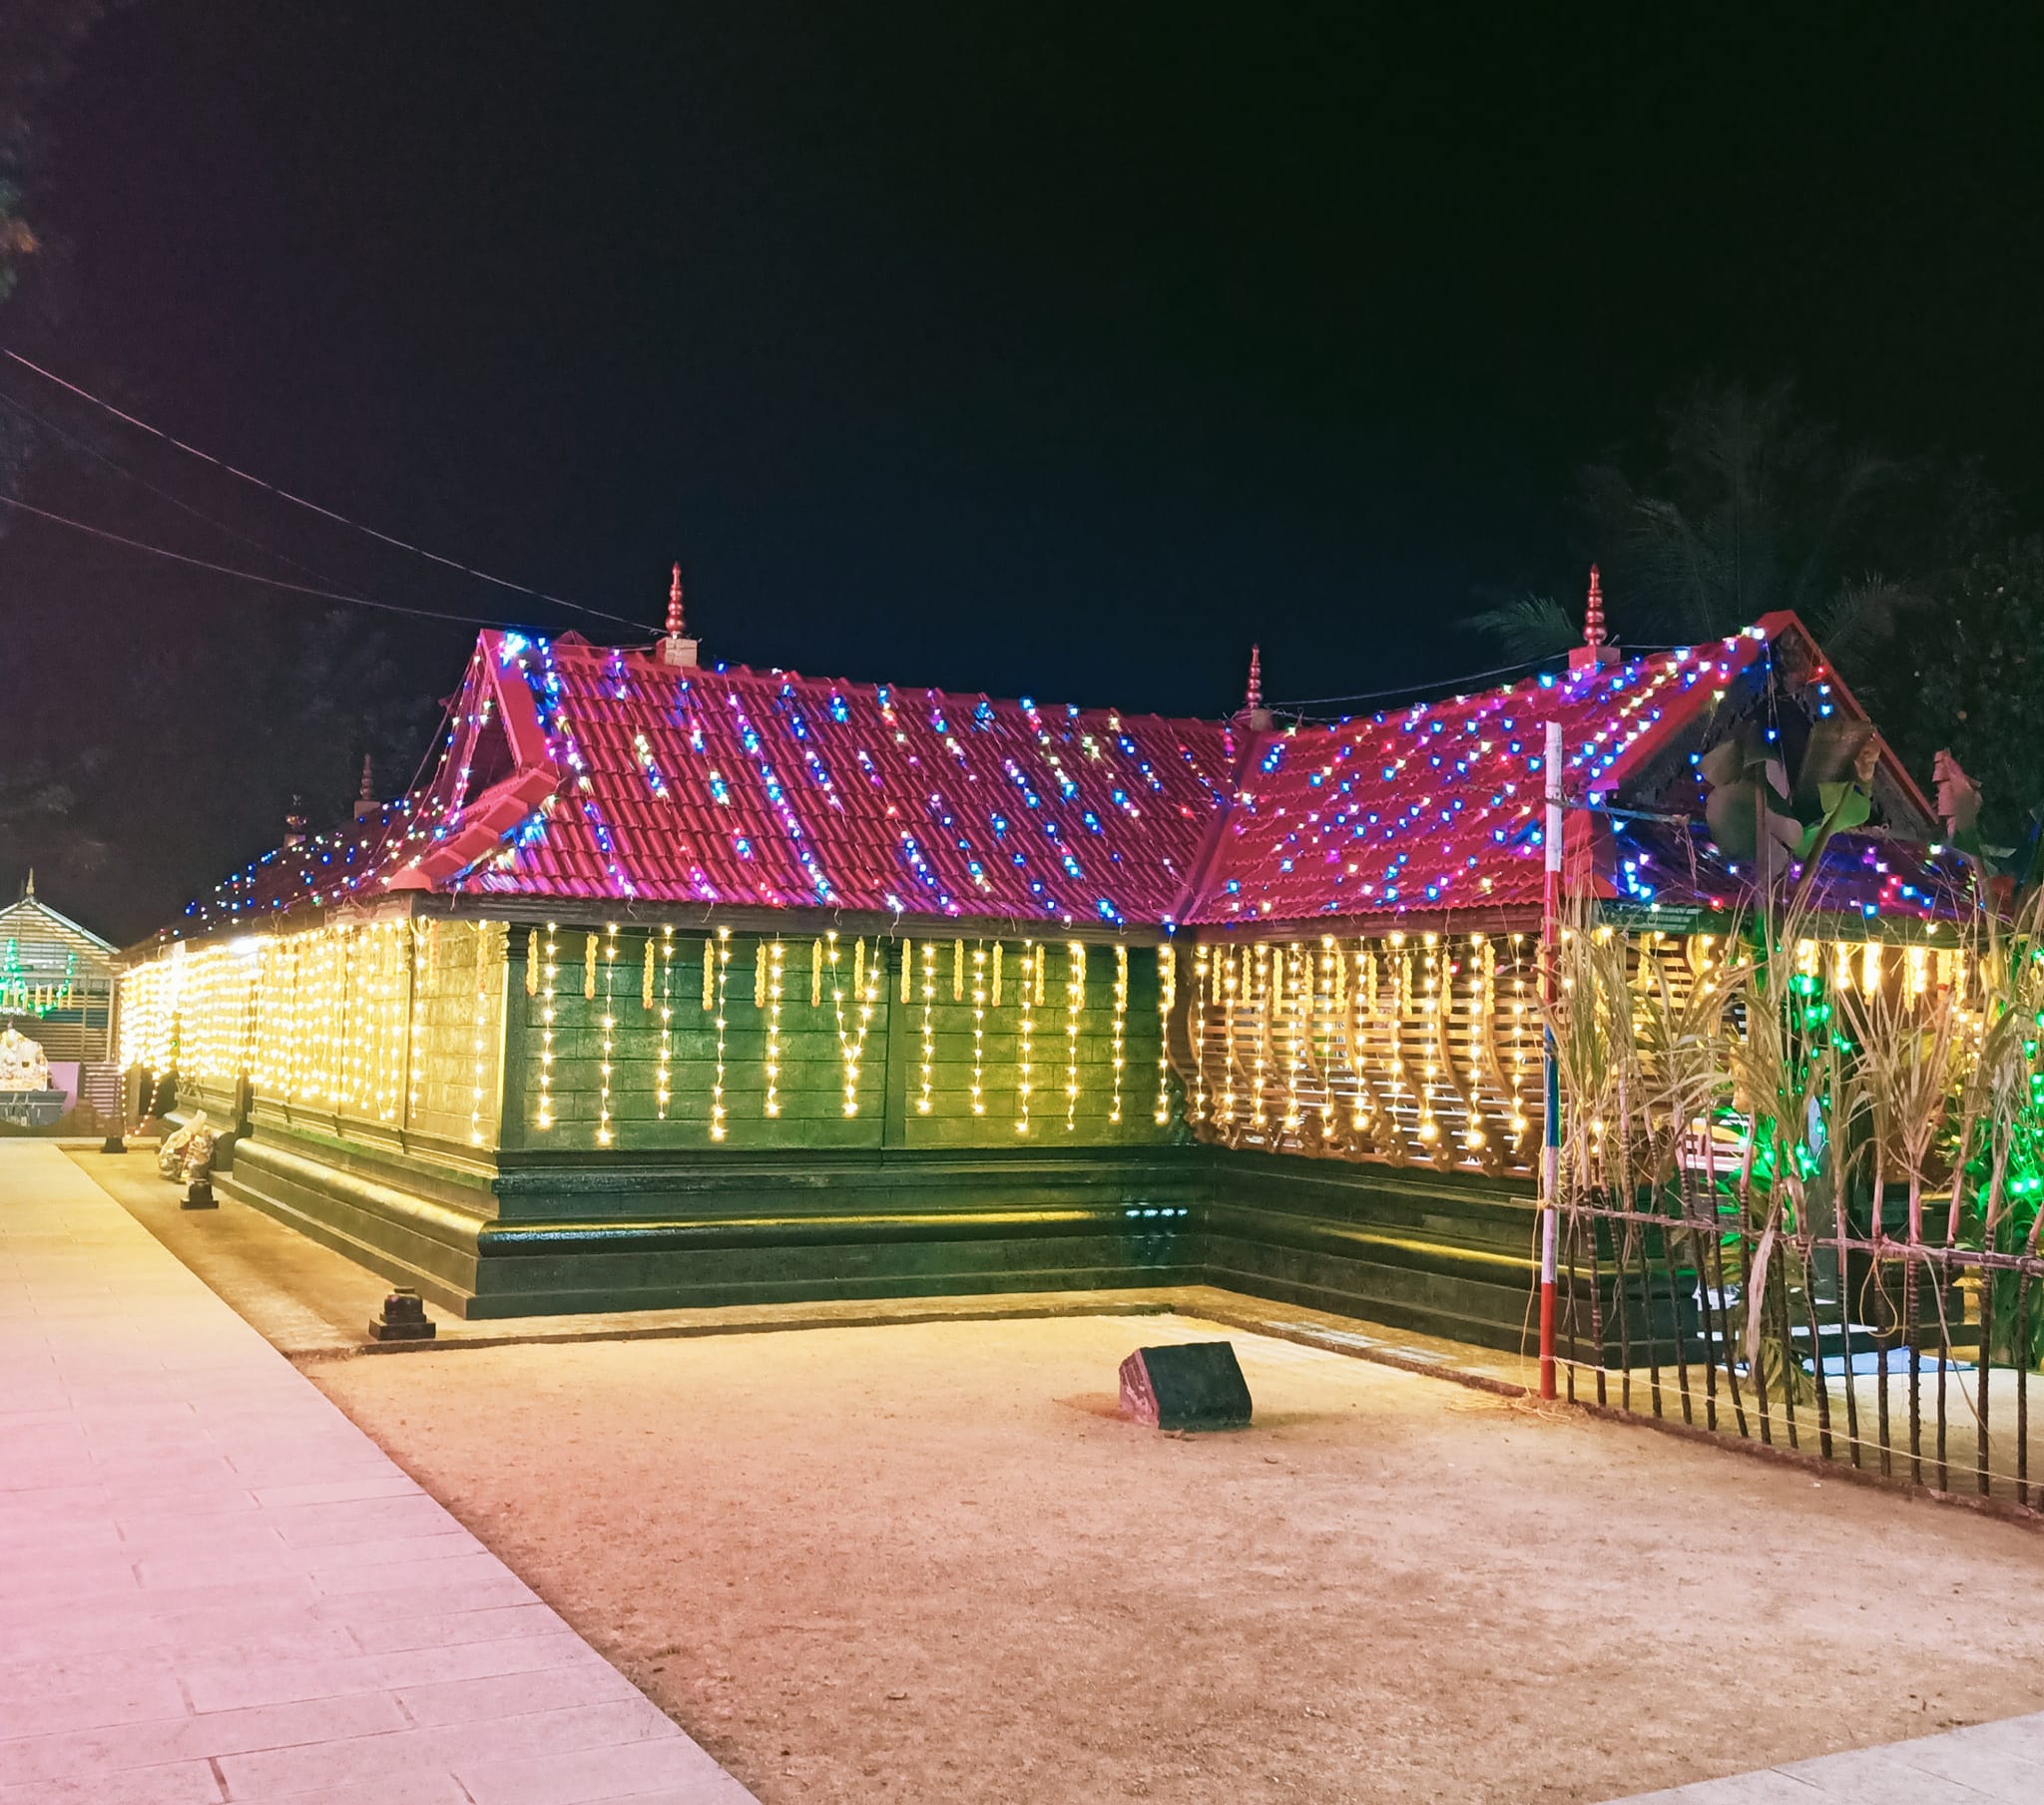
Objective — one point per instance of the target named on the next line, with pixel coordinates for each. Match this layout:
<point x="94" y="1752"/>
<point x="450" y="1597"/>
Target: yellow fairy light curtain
<point x="367" y="1018"/>
<point x="1425" y="1049"/>
<point x="1419" y="1049"/>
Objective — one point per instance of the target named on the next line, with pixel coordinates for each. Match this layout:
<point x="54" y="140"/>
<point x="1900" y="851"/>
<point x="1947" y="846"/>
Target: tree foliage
<point x="37" y="41"/>
<point x="1977" y="685"/>
<point x="1746" y="506"/>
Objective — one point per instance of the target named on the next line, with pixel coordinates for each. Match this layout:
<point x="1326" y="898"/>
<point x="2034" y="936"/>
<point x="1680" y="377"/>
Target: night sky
<point x="1026" y="348"/>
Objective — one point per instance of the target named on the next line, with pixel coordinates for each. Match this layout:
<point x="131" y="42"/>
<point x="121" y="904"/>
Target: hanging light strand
<point x="719" y="954"/>
<point x="776" y="987"/>
<point x="610" y="1027"/>
<point x="549" y="984"/>
<point x="663" y="1089"/>
<point x="1075" y="1003"/>
<point x="925" y="1103"/>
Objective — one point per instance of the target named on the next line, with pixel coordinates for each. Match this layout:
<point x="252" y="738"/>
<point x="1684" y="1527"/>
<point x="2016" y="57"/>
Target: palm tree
<point x="1749" y="508"/>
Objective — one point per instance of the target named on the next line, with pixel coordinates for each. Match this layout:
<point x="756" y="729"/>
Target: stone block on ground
<point x="1189" y="1385"/>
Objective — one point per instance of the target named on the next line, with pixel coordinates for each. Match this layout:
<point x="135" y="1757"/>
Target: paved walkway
<point x="215" y="1588"/>
<point x="1990" y="1764"/>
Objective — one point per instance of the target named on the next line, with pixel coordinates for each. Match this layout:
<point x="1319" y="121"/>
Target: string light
<point x="929" y="1036"/>
<point x="1475" y="1137"/>
<point x="1521" y="1123"/>
<point x="610" y="1027"/>
<point x="544" y="1118"/>
<point x="394" y="1013"/>
<point x="776" y="987"/>
<point x="978" y="1030"/>
<point x="723" y="964"/>
<point x="1075" y="1001"/>
<point x="349" y="1013"/>
<point x="1334" y="974"/>
<point x="1023" y="1069"/>
<point x="478" y="1024"/>
<point x="1398" y="970"/>
<point x="414" y="1014"/>
<point x="344" y="1073"/>
<point x="662" y="1083"/>
<point x="851" y="1044"/>
<point x="1430" y="1003"/>
<point x="1231" y="984"/>
<point x="1260" y="1005"/>
<point x="1166" y="1002"/>
<point x="1290" y="969"/>
<point x="1120" y="1028"/>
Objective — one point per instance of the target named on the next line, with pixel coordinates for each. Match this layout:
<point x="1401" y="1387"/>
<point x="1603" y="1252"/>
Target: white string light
<point x="545" y="1117"/>
<point x="610" y="1025"/>
<point x="776" y="988"/>
<point x="663" y="1084"/>
<point x="1024" y="1067"/>
<point x="721" y="960"/>
<point x="978" y="1030"/>
<point x="1167" y="1001"/>
<point x="479" y="1014"/>
<point x="924" y="1104"/>
<point x="1075" y="1001"/>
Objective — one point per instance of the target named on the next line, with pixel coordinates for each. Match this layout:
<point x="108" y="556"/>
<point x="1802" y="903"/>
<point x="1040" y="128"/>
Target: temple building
<point x="678" y="984"/>
<point x="57" y="1021"/>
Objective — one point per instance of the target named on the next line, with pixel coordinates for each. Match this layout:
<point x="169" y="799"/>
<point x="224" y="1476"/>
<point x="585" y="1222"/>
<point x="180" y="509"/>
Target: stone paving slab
<point x="1986" y="1764"/>
<point x="215" y="1590"/>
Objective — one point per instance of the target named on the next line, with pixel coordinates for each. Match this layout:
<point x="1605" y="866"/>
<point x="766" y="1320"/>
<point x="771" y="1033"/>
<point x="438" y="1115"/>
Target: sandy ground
<point x="927" y="1562"/>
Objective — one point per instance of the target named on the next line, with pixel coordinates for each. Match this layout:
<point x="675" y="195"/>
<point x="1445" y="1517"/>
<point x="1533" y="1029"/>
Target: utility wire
<point x="225" y="570"/>
<point x="300" y="501"/>
<point x="1450" y="684"/>
<point x="122" y="470"/>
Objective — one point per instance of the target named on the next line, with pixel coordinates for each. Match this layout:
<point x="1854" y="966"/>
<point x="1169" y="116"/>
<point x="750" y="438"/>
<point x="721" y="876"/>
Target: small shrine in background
<point x="57" y="1021"/>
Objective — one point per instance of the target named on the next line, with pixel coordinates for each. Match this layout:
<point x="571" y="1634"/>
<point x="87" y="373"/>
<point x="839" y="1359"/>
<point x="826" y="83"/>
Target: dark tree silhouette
<point x="1748" y="505"/>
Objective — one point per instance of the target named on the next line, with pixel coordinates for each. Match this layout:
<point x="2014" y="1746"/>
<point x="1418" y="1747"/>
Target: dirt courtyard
<point x="927" y="1562"/>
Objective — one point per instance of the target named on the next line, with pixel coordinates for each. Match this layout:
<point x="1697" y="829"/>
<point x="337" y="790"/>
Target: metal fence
<point x="1800" y="1193"/>
<point x="1904" y="1357"/>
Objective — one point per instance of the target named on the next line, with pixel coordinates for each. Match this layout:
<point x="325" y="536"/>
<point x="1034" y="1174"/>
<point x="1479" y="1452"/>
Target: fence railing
<point x="1891" y="1352"/>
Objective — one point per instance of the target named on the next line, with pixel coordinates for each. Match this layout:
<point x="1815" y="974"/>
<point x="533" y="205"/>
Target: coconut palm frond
<point x="1531" y="626"/>
<point x="1863" y="613"/>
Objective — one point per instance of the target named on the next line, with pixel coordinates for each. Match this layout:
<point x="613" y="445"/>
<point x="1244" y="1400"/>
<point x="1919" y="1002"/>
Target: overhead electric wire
<point x="1453" y="685"/>
<point x="312" y="507"/>
<point x="226" y="570"/>
<point x="122" y="470"/>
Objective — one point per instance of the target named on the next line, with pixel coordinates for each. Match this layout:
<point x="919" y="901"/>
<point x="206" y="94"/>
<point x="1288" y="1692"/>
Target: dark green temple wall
<point x="802" y="1105"/>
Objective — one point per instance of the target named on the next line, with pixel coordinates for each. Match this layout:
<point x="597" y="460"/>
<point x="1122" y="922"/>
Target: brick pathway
<point x="215" y="1588"/>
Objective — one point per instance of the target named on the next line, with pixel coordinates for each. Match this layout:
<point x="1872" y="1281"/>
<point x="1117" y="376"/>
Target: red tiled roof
<point x="578" y="772"/>
<point x="1437" y="805"/>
